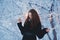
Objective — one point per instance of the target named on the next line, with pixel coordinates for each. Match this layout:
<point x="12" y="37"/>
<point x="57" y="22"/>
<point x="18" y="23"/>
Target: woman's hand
<point x="47" y="30"/>
<point x="19" y="20"/>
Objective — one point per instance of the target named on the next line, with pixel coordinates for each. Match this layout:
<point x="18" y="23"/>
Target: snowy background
<point x="11" y="10"/>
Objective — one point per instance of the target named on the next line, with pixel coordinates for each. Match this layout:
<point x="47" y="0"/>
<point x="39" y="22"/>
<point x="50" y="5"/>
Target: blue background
<point x="11" y="10"/>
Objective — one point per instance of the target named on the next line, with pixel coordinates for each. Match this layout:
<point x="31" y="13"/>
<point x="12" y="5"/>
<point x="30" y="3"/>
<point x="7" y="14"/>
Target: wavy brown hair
<point x="35" y="19"/>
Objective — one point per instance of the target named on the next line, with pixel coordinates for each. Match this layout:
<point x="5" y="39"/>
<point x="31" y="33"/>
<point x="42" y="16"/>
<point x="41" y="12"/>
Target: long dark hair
<point x="35" y="19"/>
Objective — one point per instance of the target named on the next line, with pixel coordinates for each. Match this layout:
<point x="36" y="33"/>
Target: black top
<point x="30" y="34"/>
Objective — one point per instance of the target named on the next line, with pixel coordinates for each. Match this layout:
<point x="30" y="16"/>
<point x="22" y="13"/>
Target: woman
<point x="32" y="26"/>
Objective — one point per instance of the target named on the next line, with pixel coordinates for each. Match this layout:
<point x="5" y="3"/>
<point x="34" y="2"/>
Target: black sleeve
<point x="41" y="32"/>
<point x="20" y="27"/>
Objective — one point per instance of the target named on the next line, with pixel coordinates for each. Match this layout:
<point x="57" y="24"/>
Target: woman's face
<point x="30" y="15"/>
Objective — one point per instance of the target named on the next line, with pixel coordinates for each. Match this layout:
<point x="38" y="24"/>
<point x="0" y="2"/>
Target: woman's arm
<point x="41" y="32"/>
<point x="20" y="25"/>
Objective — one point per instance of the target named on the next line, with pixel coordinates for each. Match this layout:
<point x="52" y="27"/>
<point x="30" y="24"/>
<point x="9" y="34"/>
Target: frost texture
<point x="11" y="10"/>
